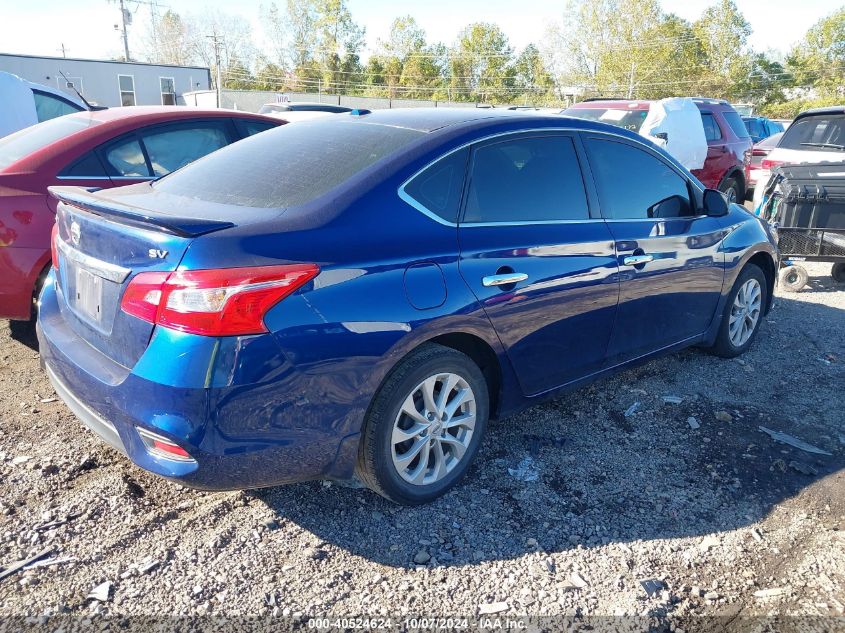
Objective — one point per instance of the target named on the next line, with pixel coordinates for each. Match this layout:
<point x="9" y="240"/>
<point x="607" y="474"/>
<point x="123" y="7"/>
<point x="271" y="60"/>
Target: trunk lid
<point x="104" y="240"/>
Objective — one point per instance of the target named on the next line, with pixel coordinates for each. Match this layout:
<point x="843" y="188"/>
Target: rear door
<point x="540" y="263"/>
<point x="719" y="157"/>
<point x="671" y="266"/>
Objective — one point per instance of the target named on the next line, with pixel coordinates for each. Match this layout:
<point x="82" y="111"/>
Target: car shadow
<point x="590" y="469"/>
<point x="24" y="332"/>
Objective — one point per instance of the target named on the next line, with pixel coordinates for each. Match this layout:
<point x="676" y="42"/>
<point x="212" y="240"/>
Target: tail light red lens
<point x="54" y="246"/>
<point x="219" y="302"/>
<point x="768" y="163"/>
<point x="162" y="447"/>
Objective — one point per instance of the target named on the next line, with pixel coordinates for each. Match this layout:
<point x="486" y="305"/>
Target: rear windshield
<point x="822" y="132"/>
<point x="24" y="142"/>
<point x="735" y="121"/>
<point x="289" y="165"/>
<point x="628" y="119"/>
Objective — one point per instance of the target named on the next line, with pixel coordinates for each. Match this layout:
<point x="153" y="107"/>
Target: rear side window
<point x="127" y="159"/>
<point x="289" y="166"/>
<point x="438" y="188"/>
<point x="89" y="166"/>
<point x="735" y="121"/>
<point x="174" y="148"/>
<point x="49" y="106"/>
<point x="528" y="179"/>
<point x="634" y="184"/>
<point x="822" y="132"/>
<point x="711" y="128"/>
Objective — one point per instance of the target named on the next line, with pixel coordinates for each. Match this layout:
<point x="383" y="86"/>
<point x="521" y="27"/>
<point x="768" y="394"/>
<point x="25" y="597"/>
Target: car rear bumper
<point x="236" y="439"/>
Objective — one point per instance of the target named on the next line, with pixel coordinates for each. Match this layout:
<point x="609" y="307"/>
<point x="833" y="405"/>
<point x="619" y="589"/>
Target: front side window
<point x="168" y="90"/>
<point x="126" y="84"/>
<point x="528" y="179"/>
<point x="438" y="188"/>
<point x="711" y="128"/>
<point x="171" y="149"/>
<point x="820" y="132"/>
<point x="634" y="184"/>
<point x="49" y="106"/>
<point x="127" y="159"/>
<point x="248" y="127"/>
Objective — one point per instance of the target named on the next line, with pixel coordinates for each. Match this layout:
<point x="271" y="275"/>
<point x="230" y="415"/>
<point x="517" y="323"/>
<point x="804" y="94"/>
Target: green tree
<point x="481" y="65"/>
<point x="531" y="78"/>
<point x="339" y="40"/>
<point x="727" y="61"/>
<point x="819" y="61"/>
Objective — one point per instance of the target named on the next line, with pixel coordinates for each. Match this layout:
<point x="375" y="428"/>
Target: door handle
<point x="503" y="280"/>
<point x="636" y="260"/>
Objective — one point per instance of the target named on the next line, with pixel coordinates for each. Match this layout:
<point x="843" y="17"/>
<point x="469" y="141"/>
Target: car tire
<point x="838" y="273"/>
<point x="400" y="457"/>
<point x="730" y="187"/>
<point x="793" y="278"/>
<point x="743" y="313"/>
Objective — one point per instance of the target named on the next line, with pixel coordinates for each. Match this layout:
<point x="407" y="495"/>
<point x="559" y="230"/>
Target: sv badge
<point x="157" y="254"/>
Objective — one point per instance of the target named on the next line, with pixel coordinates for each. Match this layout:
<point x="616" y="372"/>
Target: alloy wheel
<point x="745" y="312"/>
<point x="433" y="429"/>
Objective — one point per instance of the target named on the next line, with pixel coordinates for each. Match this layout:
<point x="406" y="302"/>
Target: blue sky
<point x="86" y="27"/>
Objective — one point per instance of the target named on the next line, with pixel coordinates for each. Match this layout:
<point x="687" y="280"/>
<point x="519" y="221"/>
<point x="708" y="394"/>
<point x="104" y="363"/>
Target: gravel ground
<point x="660" y="474"/>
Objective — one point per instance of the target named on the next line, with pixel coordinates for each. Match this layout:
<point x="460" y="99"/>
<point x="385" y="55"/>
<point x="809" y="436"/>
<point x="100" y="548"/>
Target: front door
<point x="670" y="259"/>
<point x="541" y="265"/>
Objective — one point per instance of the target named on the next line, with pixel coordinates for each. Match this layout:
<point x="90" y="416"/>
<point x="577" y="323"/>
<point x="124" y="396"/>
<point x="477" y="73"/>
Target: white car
<point x="815" y="136"/>
<point x="301" y="111"/>
<point x="26" y="103"/>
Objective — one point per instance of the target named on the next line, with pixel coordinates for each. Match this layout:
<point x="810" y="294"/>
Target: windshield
<point x="822" y="132"/>
<point x="24" y="142"/>
<point x="287" y="166"/>
<point x="628" y="119"/>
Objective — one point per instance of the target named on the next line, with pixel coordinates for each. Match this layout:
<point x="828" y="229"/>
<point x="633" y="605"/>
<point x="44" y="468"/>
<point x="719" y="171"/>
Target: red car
<point x="107" y="148"/>
<point x="728" y="141"/>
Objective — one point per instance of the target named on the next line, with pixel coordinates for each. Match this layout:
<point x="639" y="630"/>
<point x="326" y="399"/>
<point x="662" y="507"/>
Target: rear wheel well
<point x="764" y="262"/>
<point x="735" y="174"/>
<point x="482" y="355"/>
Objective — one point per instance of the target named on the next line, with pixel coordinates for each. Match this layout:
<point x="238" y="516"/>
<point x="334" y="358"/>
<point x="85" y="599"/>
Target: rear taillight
<point x="768" y="163"/>
<point x="219" y="302"/>
<point x="54" y="245"/>
<point x="162" y="447"/>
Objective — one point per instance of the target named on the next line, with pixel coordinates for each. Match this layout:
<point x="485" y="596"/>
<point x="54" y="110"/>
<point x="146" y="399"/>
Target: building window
<point x="127" y="89"/>
<point x="168" y="90"/>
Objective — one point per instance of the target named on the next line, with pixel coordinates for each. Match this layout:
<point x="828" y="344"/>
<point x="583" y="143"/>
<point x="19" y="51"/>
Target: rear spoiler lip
<point x="87" y="200"/>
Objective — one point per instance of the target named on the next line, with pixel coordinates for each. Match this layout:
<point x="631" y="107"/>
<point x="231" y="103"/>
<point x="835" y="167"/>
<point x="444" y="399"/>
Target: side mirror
<point x="715" y="203"/>
<point x="663" y="136"/>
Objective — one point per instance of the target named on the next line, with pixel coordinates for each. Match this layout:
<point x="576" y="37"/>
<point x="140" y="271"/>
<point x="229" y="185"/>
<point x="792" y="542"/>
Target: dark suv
<point x="728" y="142"/>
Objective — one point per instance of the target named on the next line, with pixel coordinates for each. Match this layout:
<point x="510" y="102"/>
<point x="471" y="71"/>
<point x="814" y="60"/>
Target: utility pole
<point x="631" y="80"/>
<point x="62" y="49"/>
<point x="216" y="39"/>
<point x="123" y="13"/>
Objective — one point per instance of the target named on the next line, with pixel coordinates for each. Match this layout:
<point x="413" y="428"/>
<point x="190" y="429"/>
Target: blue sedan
<point x="358" y="295"/>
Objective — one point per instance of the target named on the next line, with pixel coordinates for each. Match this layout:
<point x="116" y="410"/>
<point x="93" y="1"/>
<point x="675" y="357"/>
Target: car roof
<point x="827" y="110"/>
<point x="162" y="112"/>
<point x="643" y="104"/>
<point x="431" y="119"/>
